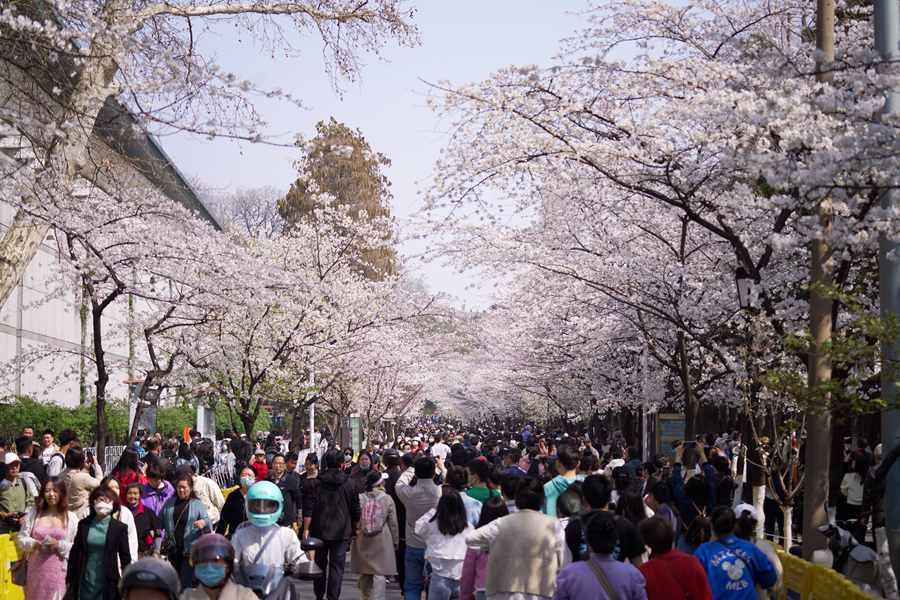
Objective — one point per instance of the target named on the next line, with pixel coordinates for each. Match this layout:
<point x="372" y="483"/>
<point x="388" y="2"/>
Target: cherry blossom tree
<point x="636" y="187"/>
<point x="65" y="62"/>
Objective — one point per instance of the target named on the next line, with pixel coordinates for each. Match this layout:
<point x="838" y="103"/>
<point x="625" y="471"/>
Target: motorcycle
<point x="846" y="555"/>
<point x="261" y="578"/>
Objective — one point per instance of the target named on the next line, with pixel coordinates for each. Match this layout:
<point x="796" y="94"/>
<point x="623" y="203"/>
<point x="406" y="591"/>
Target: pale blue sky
<point x="462" y="40"/>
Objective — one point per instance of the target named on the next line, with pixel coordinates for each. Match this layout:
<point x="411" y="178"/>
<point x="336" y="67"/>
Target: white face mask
<point x="103" y="508"/>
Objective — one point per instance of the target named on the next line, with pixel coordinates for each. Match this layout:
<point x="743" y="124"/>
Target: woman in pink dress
<point x="47" y="533"/>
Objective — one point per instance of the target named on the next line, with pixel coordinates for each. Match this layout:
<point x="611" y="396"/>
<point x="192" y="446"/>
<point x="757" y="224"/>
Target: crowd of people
<point x="446" y="512"/>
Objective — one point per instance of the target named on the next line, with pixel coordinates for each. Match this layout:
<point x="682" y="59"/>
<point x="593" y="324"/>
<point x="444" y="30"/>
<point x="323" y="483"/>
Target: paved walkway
<point x="349" y="591"/>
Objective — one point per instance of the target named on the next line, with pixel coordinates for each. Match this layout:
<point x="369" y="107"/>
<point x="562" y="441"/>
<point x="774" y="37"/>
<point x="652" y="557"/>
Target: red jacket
<point x="126" y="479"/>
<point x="261" y="468"/>
<point x="684" y="572"/>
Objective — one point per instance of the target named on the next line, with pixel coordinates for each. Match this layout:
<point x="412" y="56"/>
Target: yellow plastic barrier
<point x="825" y="583"/>
<point x="806" y="581"/>
<point x="797" y="578"/>
<point x="9" y="552"/>
<point x="227" y="491"/>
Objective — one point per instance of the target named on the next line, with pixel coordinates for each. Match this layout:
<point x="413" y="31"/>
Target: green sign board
<point x="356" y="434"/>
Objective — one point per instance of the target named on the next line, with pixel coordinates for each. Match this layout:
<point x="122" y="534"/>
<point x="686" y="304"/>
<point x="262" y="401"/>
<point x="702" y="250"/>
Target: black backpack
<point x="167" y="459"/>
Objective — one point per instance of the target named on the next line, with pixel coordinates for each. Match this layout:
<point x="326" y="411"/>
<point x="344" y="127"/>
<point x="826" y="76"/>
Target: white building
<point x="33" y="317"/>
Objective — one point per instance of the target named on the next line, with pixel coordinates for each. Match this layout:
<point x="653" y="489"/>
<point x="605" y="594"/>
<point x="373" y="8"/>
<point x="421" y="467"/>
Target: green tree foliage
<point x="16" y="413"/>
<point x="341" y="163"/>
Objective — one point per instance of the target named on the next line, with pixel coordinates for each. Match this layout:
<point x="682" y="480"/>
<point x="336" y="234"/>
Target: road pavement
<point x="349" y="590"/>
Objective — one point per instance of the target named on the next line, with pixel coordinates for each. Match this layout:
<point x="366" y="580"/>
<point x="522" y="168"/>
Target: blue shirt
<point x="734" y="567"/>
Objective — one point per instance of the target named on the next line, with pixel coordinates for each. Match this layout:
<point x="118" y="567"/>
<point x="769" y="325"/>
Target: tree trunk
<point x="100" y="385"/>
<point x="690" y="401"/>
<point x="18" y="247"/>
<point x="788" y="527"/>
<point x="888" y="577"/>
<point x="818" y="441"/>
<point x="759" y="498"/>
<point x="297" y="437"/>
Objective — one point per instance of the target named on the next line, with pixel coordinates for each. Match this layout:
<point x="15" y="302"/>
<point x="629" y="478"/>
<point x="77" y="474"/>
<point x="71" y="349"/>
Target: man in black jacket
<point x="24" y="448"/>
<point x="331" y="513"/>
<point x="290" y="491"/>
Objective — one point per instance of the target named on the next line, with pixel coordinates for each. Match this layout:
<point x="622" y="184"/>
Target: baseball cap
<point x="749" y="509"/>
<point x="12" y="457"/>
<point x="259" y="453"/>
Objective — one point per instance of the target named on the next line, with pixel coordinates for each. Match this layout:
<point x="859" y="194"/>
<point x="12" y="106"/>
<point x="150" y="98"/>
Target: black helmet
<point x="391" y="457"/>
<point x="212" y="546"/>
<point x="150" y="573"/>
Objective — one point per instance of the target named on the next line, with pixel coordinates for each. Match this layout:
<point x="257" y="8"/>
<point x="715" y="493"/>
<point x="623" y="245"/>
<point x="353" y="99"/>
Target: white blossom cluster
<point x="616" y="198"/>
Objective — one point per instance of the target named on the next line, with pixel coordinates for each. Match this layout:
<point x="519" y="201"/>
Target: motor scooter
<point x="261" y="578"/>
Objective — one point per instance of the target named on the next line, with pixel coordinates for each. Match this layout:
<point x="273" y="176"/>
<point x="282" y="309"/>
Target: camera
<point x="689" y="444"/>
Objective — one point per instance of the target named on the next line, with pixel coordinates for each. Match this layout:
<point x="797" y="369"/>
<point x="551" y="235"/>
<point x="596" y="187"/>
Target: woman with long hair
<point x="372" y="555"/>
<point x="471" y="582"/>
<point x="186" y="457"/>
<point x="444" y="530"/>
<point x="127" y="471"/>
<point x="233" y="512"/>
<point x="852" y="488"/>
<point x="694" y="499"/>
<point x="47" y="533"/>
<point x="733" y="566"/>
<point x="631" y="506"/>
<point x="100" y="546"/>
<point x="184" y="520"/>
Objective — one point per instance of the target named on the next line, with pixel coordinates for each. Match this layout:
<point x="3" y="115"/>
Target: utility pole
<point x="818" y="439"/>
<point x="887" y="41"/>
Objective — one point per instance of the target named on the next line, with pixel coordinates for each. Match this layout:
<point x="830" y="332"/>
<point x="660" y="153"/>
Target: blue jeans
<point x="415" y="573"/>
<point x="686" y="548"/>
<point x="443" y="588"/>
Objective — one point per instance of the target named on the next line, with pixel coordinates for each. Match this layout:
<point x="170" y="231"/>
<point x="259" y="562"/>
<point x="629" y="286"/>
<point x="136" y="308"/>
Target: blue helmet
<point x="264" y="503"/>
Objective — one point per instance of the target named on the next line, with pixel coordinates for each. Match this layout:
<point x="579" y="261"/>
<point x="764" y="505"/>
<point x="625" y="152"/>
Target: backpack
<point x="167" y="459"/>
<point x="700" y="530"/>
<point x="372" y="516"/>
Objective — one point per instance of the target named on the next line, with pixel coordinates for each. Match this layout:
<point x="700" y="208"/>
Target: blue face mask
<point x="247" y="481"/>
<point x="406" y="451"/>
<point x="364" y="467"/>
<point x="210" y="574"/>
<point x="270" y="456"/>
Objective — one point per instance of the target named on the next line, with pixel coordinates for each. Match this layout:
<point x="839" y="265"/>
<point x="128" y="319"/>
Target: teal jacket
<point x="195" y="512"/>
<point x="552" y="490"/>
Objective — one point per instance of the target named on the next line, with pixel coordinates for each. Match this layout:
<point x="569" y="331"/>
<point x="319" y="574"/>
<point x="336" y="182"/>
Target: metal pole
<point x="887" y="43"/>
<point x="645" y="443"/>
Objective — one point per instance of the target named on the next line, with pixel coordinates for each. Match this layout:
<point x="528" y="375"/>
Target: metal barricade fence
<point x="111" y="456"/>
<point x="220" y="474"/>
<point x="320" y="450"/>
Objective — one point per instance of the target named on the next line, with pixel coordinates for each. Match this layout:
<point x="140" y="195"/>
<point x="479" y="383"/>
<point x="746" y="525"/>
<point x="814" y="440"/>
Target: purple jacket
<point x="154" y="499"/>
<point x="474" y="572"/>
<point x="579" y="582"/>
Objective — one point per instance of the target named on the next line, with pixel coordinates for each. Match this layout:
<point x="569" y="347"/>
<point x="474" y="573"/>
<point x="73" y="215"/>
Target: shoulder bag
<point x="167" y="548"/>
<point x="603" y="580"/>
